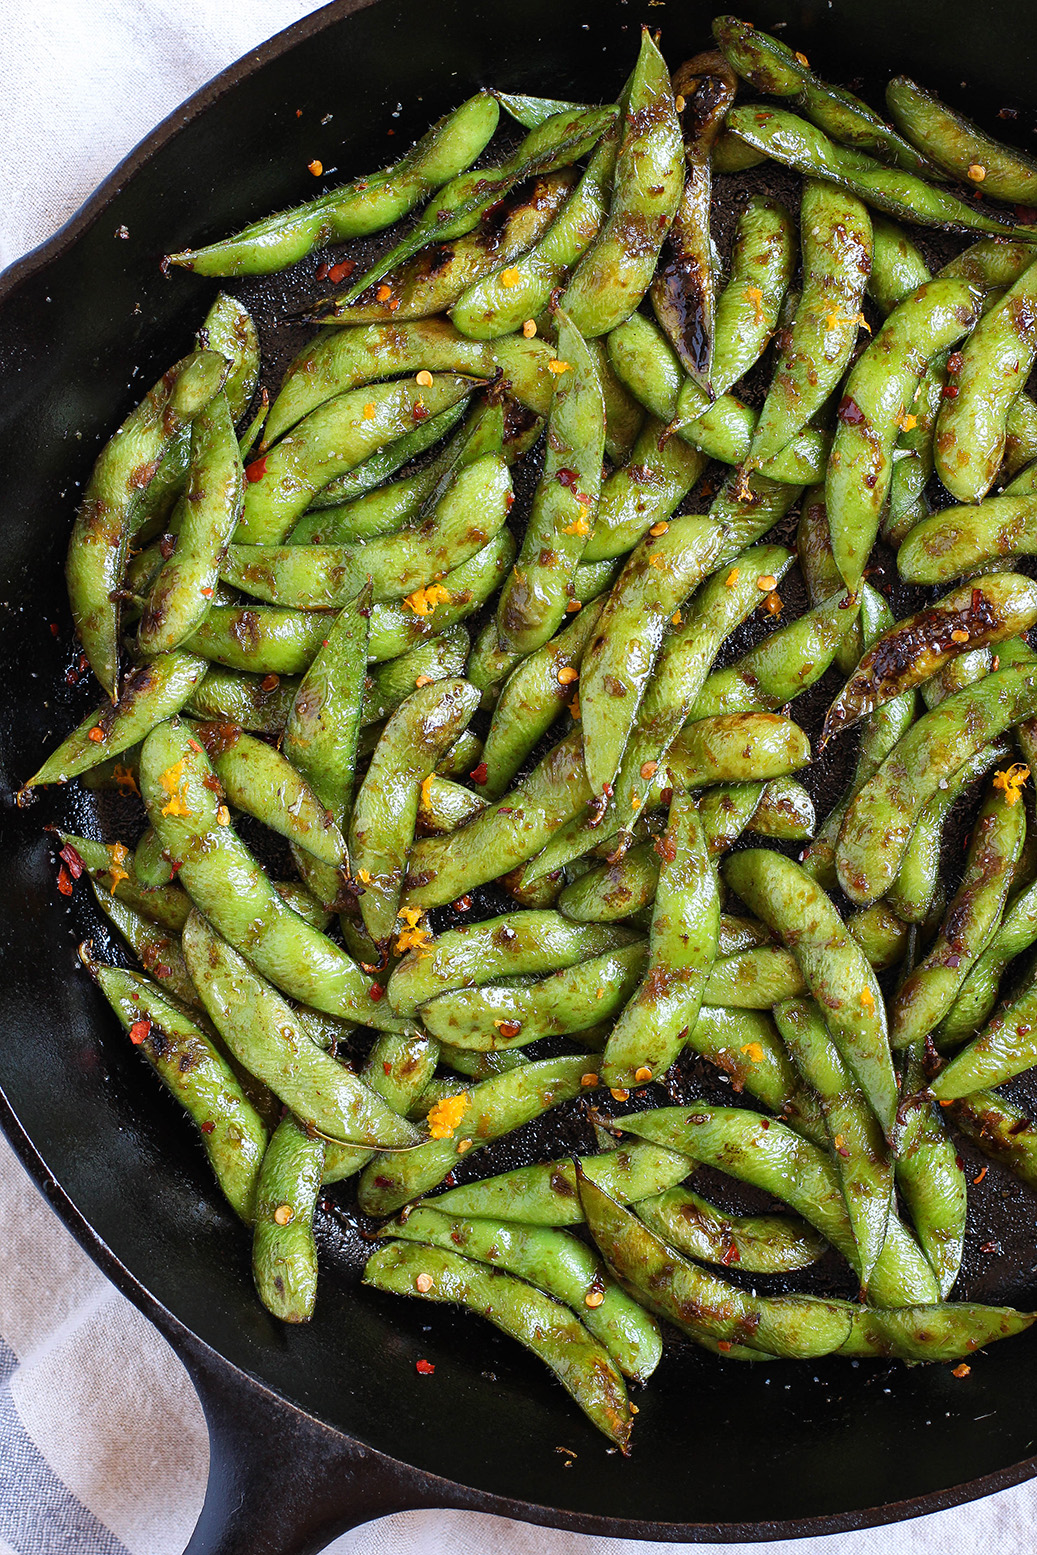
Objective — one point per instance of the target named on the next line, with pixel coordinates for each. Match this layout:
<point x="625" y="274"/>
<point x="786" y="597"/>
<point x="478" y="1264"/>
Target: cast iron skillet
<point x="319" y="1429"/>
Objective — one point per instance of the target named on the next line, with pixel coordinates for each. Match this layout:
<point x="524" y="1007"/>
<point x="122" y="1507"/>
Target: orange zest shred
<point x="905" y="422"/>
<point x="415" y="934"/>
<point x="732" y="578"/>
<point x="557" y="366"/>
<point x="1012" y="779"/>
<point x="656" y="561"/>
<point x="123" y="778"/>
<point x="119" y="854"/>
<point x="754" y="1051"/>
<point x="766" y="582"/>
<point x="444" y="1117"/>
<point x="426" y="790"/>
<point x="980" y="1177"/>
<point x="174" y="781"/>
<point x="574" y="709"/>
<point x="364" y="876"/>
<point x="867" y="998"/>
<point x="676" y="619"/>
<point x="368" y="412"/>
<point x="510" y="276"/>
<point x="755" y="296"/>
<point x="579" y="526"/>
<point x="223" y="816"/>
<point x="424" y="600"/>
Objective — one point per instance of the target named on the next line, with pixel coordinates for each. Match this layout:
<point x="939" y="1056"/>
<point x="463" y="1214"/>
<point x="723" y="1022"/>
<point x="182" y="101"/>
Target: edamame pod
<point x="1005" y="1047"/>
<point x="643" y="492"/>
<point x="755" y="979"/>
<point x="836" y="238"/>
<point x="876" y="399"/>
<point x="649" y="1034"/>
<point x="833" y="965"/>
<point x="546" y="1328"/>
<point x="1001" y="1130"/>
<point x="259" y="703"/>
<point x="960" y="540"/>
<point x="387" y="684"/>
<point x="110" y="865"/>
<point x="951" y="1332"/>
<point x="284" y="1253"/>
<point x="960" y="147"/>
<point x="615" y="273"/>
<point x="381" y="466"/>
<point x="382" y="827"/>
<point x="929" y="1175"/>
<point x="897" y="268"/>
<point x="757" y="1244"/>
<point x="785" y="811"/>
<point x="157" y="951"/>
<point x="978" y="993"/>
<point x="233" y="1135"/>
<point x="546" y="1195"/>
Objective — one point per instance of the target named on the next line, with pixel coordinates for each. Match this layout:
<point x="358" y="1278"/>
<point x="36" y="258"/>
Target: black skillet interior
<point x="721" y="1450"/>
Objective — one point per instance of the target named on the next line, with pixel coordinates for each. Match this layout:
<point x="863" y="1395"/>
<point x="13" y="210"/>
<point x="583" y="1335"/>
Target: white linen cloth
<point x="102" y="1444"/>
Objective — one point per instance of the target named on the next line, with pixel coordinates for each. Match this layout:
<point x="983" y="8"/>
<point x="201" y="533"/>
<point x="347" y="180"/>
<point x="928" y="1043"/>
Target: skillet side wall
<point x="80" y="339"/>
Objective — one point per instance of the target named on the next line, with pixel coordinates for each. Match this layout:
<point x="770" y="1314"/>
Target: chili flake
<point x="982" y="1174"/>
<point x="649" y="769"/>
<point x="588" y="1079"/>
<point x="423" y="1283"/>
<point x="961" y="1371"/>
<point x="573" y="606"/>
<point x="594" y="1298"/>
<point x="732" y="578"/>
<point x="139" y="1031"/>
<point x="424" y="1368"/>
<point x="479" y="774"/>
<point x="659" y="529"/>
<point x="463" y="1145"/>
<point x="574" y="709"/>
<point x="315" y="167"/>
<point x="959" y="636"/>
<point x="766" y="583"/>
<point x="423" y="680"/>
<point x="223" y="816"/>
<point x="64" y="881"/>
<point x="772" y="604"/>
<point x="619" y="1095"/>
<point x="508" y="1028"/>
<point x="256" y="470"/>
<point x="444" y="1117"/>
<point x="803" y="60"/>
<point x="977" y="172"/>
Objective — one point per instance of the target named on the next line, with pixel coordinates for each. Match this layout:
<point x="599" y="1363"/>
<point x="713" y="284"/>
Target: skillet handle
<point x="280" y="1482"/>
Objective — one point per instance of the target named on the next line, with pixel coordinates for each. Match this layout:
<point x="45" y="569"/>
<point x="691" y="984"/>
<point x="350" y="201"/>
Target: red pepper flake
<point x="376" y="991"/>
<point x="96" y="734"/>
<point x="567" y="478"/>
<point x="341" y="271"/>
<point x="54" y="629"/>
<point x="256" y="470"/>
<point x="724" y="1345"/>
<point x="949" y="391"/>
<point x="72" y="859"/>
<point x="981" y="1176"/>
<point x="463" y="904"/>
<point x="849" y="412"/>
<point x="955" y="362"/>
<point x="420" y="412"/>
<point x="424" y="1368"/>
<point x="479" y="774"/>
<point x="64" y="881"/>
<point x="139" y="1031"/>
<point x="208" y="1127"/>
<point x="323" y="270"/>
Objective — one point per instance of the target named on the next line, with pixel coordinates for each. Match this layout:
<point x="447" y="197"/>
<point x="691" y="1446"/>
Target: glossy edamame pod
<point x="977" y="995"/>
<point x="546" y="1327"/>
<point x="381" y="466"/>
<point x="502" y="301"/>
<point x="833" y="965"/>
<point x="383" y="511"/>
<point x="491" y="1108"/>
<point x="971" y="428"/>
<point x="1001" y="1130"/>
<point x="972" y="917"/>
<point x="284" y="1253"/>
<point x="755" y="979"/>
<point x="960" y="147"/>
<point x="106" y="518"/>
<point x="949" y="1332"/>
<point x="399" y="1068"/>
<point x="226" y="883"/>
<point x="700" y="1303"/>
<point x="343" y="359"/>
<point x="532" y="697"/>
<point x="207" y="515"/>
<point x="110" y="865"/>
<point x="763" y="1152"/>
<point x="259" y="703"/>
<point x="608" y="893"/>
<point x="615" y="273"/>
<point x="859" y="1152"/>
<point x="683" y="292"/>
<point x="731" y="155"/>
<point x="157" y="950"/>
<point x="836" y="239"/>
<point x="785" y="811"/>
<point x="959" y="540"/>
<point x="881" y="817"/>
<point x="382" y="826"/>
<point x="822" y="576"/>
<point x="876" y="398"/>
<point x="756" y="1244"/>
<point x="773" y="68"/>
<point x="797" y="144"/>
<point x="682" y="947"/>
<point x="536" y="592"/>
<point x="624" y="417"/>
<point x="545" y="1194"/>
<point x="435" y="278"/>
<point x="386" y="684"/>
<point x="367" y="205"/>
<point x="882" y="936"/>
<point x="1004" y="1048"/>
<point x="644" y="492"/>
<point x="444" y="806"/>
<point x="232" y="1133"/>
<point x="510" y="946"/>
<point x="150" y="694"/>
<point x="985" y="611"/>
<point x="338" y="435"/>
<point x="266" y="1036"/>
<point x="555" y="1263"/>
<point x="929" y="1175"/>
<point x="897" y="268"/>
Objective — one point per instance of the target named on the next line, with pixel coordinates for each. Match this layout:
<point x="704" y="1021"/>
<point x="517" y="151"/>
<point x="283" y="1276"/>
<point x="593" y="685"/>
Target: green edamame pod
<point x="1001" y="1130"/>
<point x="881" y="817"/>
<point x="755" y="979"/>
<point x="950" y="1332"/>
<point x="876" y="399"/>
<point x="822" y="576"/>
<point x="510" y="946"/>
<point x="897" y="268"/>
<point x="383" y="511"/>
<point x="398" y="1068"/>
<point x="978" y="993"/>
<point x="267" y="1037"/>
<point x="683" y="292"/>
<point x="158" y="951"/>
<point x="914" y="456"/>
<point x="110" y="865"/>
<point x="338" y="435"/>
<point x="1005" y="1047"/>
<point x="534" y="597"/>
<point x="106" y="518"/>
<point x="208" y="513"/>
<point x="491" y="1108"/>
<point x="971" y="428"/>
<point x="226" y="883"/>
<point x="972" y="917"/>
<point x="501" y="302"/>
<point x="959" y="540"/>
<point x="382" y="826"/>
<point x="615" y="273"/>
<point x="434" y="279"/>
<point x="833" y="965"/>
<point x="150" y="694"/>
<point x="546" y="1327"/>
<point x="232" y="1133"/>
<point x="533" y="696"/>
<point x="785" y="811"/>
<point x="797" y="144"/>
<point x="608" y="893"/>
<point x="230" y="329"/>
<point x="381" y="466"/>
<point x="284" y="1253"/>
<point x="859" y="1152"/>
<point x="960" y="147"/>
<point x="701" y="1303"/>
<point x="644" y="492"/>
<point x="367" y="205"/>
<point x="757" y="1244"/>
<point x="992" y="608"/>
<point x="388" y="683"/>
<point x="546" y="1195"/>
<point x="260" y="704"/>
<point x="731" y="155"/>
<point x="555" y="1263"/>
<point x="443" y="806"/>
<point x="1021" y="442"/>
<point x="763" y="1152"/>
<point x="929" y="1175"/>
<point x="882" y="936"/>
<point x="773" y="68"/>
<point x="533" y="111"/>
<point x="343" y="359"/>
<point x="836" y="240"/>
<point x="649" y="1034"/>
